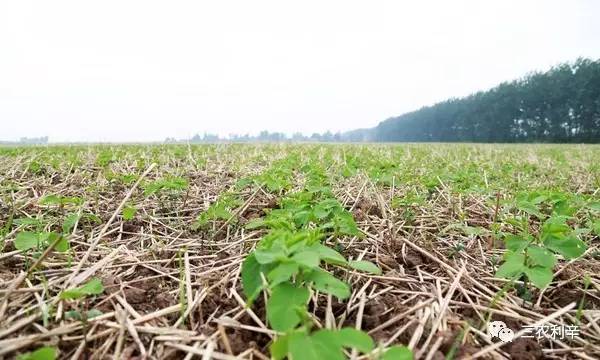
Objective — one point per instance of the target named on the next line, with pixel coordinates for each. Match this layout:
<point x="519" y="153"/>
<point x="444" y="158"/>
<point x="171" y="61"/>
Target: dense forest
<point x="560" y="105"/>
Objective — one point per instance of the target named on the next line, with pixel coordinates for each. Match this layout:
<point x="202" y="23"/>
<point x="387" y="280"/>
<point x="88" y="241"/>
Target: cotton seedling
<point x="330" y="344"/>
<point x="60" y="201"/>
<point x="104" y="158"/>
<point x="290" y="259"/>
<point x="279" y="177"/>
<point x="167" y="190"/>
<point x="40" y="240"/>
<point x="128" y="212"/>
<point x="169" y="185"/>
<point x="533" y="257"/>
<point x="43" y="353"/>
<point x="91" y="288"/>
<point x="27" y="240"/>
<point x="222" y="209"/>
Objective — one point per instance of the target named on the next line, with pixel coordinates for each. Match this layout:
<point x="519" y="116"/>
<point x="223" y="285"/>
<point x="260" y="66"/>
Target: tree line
<point x="42" y="140"/>
<point x="263" y="136"/>
<point x="559" y="105"/>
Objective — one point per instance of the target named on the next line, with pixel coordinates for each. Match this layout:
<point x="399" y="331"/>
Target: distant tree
<point x="263" y="136"/>
<point x="33" y="141"/>
<point x="315" y="137"/>
<point x="276" y="137"/>
<point x="328" y="136"/>
<point x="560" y="105"/>
<point x="210" y="138"/>
<point x="297" y="136"/>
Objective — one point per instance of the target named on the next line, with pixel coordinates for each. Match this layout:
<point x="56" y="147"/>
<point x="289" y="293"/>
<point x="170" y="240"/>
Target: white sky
<point x="144" y="70"/>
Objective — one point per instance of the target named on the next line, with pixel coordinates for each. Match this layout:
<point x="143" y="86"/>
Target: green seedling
<point x="288" y="264"/>
<point x="534" y="257"/>
<point x="171" y="185"/>
<point x="43" y="353"/>
<point x="27" y="240"/>
<point x="104" y="158"/>
<point x="321" y="344"/>
<point x="82" y="316"/>
<point x="283" y="255"/>
<point x="35" y="167"/>
<point x="60" y="201"/>
<point x="287" y="309"/>
<point x="125" y="179"/>
<point x="128" y="212"/>
<point x="222" y="209"/>
<point x="92" y="287"/>
<point x="78" y="218"/>
<point x="456" y="249"/>
<point x="40" y="240"/>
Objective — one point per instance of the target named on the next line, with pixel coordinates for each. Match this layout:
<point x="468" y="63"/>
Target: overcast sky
<point x="144" y="70"/>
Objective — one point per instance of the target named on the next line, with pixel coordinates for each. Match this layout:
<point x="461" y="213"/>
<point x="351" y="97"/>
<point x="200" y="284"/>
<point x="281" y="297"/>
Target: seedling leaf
<point x="398" y="353"/>
<point x="570" y="247"/>
<point x="26" y="240"/>
<point x="302" y="346"/>
<point x="541" y="257"/>
<point x="251" y="279"/>
<point x="329" y="255"/>
<point x="283" y="306"/>
<point x="129" y="212"/>
<point x="365" y="266"/>
<point x="349" y="337"/>
<point x="279" y="348"/>
<point x="516" y="243"/>
<point x="43" y="353"/>
<point x="540" y="276"/>
<point x="512" y="267"/>
<point x="327" y="283"/>
<point x="282" y="272"/>
<point x="62" y="245"/>
<point x="69" y="223"/>
<point x="307" y="258"/>
<point x="92" y="287"/>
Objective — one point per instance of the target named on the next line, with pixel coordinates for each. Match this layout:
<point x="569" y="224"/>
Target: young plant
<point x="27" y="240"/>
<point x="167" y="190"/>
<point x="287" y="263"/>
<point x="170" y="185"/>
<point x="43" y="353"/>
<point x="320" y="344"/>
<point x="534" y="257"/>
<point x="128" y="212"/>
<point x="60" y="201"/>
<point x="222" y="209"/>
<point x="91" y="288"/>
<point x="104" y="158"/>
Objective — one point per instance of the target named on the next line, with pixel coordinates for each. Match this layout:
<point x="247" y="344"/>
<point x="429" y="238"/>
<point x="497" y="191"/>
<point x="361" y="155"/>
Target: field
<point x="301" y="251"/>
